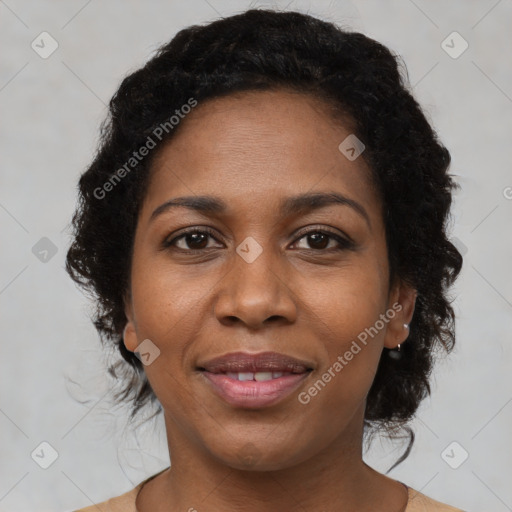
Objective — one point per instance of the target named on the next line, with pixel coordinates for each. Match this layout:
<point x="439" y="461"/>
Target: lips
<point x="254" y="380"/>
<point x="243" y="362"/>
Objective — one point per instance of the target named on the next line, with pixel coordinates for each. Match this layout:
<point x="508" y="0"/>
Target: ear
<point x="129" y="333"/>
<point x="402" y="300"/>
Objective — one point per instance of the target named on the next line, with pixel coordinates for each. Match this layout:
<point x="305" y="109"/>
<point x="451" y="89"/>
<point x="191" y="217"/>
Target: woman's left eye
<point x="321" y="240"/>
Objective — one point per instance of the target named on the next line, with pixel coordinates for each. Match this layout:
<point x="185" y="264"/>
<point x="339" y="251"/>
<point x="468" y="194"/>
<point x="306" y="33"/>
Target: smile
<point x="254" y="390"/>
<point x="252" y="381"/>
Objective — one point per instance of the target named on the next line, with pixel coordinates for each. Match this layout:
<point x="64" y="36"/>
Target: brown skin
<point x="299" y="297"/>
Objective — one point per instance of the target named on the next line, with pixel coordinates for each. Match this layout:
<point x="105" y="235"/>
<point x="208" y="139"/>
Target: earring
<point x="396" y="354"/>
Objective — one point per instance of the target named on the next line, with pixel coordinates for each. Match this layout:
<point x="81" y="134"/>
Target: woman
<point x="264" y="229"/>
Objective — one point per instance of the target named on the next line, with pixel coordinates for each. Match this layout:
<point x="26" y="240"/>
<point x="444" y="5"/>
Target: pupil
<point x="316" y="237"/>
<point x="195" y="238"/>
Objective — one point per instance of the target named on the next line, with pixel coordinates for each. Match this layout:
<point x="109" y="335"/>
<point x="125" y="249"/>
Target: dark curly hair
<point x="360" y="80"/>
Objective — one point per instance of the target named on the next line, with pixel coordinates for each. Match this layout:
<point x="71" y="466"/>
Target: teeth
<point x="257" y="376"/>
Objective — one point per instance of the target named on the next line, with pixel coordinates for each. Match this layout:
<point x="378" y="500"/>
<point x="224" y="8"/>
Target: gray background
<point x="51" y="357"/>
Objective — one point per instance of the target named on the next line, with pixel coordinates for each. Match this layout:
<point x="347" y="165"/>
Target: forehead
<point x="257" y="146"/>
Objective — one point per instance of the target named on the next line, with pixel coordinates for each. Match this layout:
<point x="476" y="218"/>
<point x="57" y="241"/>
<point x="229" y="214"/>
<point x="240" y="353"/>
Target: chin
<point x="258" y="455"/>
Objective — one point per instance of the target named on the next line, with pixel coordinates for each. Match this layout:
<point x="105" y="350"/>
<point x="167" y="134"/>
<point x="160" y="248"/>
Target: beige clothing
<point x="126" y="503"/>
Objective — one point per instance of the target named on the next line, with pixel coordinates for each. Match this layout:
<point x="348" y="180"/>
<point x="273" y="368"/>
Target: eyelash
<point x="344" y="243"/>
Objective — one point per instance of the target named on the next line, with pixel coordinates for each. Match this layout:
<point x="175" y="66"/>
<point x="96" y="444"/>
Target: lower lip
<point x="252" y="394"/>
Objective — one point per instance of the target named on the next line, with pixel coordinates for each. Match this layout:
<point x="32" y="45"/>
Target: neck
<point x="336" y="478"/>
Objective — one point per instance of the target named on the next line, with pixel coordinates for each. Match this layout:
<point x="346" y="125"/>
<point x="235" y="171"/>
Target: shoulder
<point x="418" y="502"/>
<point x="123" y="503"/>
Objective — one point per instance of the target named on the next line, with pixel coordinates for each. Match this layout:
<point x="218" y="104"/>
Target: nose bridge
<point x="253" y="290"/>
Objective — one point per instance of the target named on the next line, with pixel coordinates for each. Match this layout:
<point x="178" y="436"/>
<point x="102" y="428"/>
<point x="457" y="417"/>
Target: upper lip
<point x="262" y="362"/>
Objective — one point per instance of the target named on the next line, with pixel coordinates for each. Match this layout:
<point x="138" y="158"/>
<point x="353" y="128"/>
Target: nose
<point x="255" y="293"/>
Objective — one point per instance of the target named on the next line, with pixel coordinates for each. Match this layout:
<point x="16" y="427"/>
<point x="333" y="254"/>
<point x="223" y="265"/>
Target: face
<point x="259" y="268"/>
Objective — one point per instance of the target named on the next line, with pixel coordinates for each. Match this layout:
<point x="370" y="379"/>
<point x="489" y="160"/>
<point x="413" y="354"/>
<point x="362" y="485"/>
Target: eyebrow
<point x="292" y="205"/>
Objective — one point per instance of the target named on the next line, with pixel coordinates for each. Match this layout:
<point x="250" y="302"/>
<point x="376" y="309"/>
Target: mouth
<point x="254" y="380"/>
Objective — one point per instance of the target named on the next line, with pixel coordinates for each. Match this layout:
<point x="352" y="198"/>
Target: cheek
<point x="348" y="311"/>
<point x="352" y="333"/>
<point x="167" y="309"/>
<point x="165" y="299"/>
<point x="344" y="302"/>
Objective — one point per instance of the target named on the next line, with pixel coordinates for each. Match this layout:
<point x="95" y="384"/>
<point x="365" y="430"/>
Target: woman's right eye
<point x="191" y="241"/>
